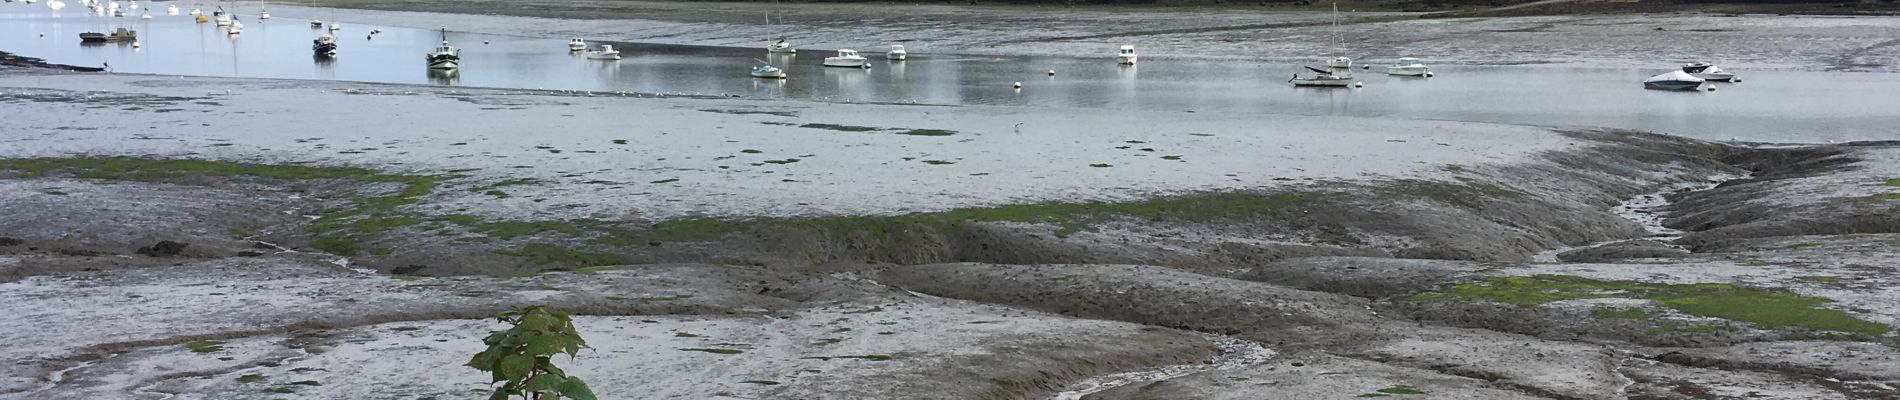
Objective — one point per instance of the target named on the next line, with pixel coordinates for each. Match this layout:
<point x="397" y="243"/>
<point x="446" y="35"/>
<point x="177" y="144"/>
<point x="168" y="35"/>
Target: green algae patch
<point x="1620" y="313"/>
<point x="205" y="346"/>
<point x="543" y="254"/>
<point x="1401" y="389"/>
<point x="1769" y="309"/>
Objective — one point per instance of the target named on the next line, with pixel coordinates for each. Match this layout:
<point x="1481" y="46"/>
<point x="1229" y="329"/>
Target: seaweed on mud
<point x="900" y="131"/>
<point x="543" y="254"/>
<point x="714" y="350"/>
<point x="1769" y="309"/>
<point x="752" y="112"/>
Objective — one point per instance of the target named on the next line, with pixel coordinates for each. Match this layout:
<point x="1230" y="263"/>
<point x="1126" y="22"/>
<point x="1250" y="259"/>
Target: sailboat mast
<point x="1332" y="51"/>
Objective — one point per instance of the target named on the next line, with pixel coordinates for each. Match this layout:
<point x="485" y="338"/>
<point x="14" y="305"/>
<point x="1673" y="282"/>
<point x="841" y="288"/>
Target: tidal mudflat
<point x="197" y="237"/>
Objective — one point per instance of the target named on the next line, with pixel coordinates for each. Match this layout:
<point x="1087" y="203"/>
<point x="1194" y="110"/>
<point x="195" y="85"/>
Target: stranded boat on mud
<point x="1676" y="80"/>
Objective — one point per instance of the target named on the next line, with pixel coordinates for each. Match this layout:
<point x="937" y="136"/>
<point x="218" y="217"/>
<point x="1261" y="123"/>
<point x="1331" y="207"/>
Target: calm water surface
<point x="1769" y="106"/>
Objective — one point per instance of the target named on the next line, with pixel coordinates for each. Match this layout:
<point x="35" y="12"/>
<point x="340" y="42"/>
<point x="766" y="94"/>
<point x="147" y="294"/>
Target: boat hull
<point x="1407" y="71"/>
<point x="1322" y="82"/>
<point x="780" y="50"/>
<point x="769" y="75"/>
<point x="603" y="56"/>
<point x="836" y="62"/>
<point x="1129" y="59"/>
<point x="1719" y="76"/>
<point x="897" y="56"/>
<point x="1676" y="85"/>
<point x="445" y="63"/>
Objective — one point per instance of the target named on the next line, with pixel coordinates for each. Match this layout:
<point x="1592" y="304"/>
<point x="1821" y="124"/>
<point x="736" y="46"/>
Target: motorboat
<point x="195" y="11"/>
<point x="146" y="15"/>
<point x="134" y="5"/>
<point x="1339" y="62"/>
<point x="897" y="53"/>
<point x="1323" y="78"/>
<point x="606" y="52"/>
<point x="1127" y="55"/>
<point x="263" y="15"/>
<point x="316" y="24"/>
<point x="1710" y="72"/>
<point x="223" y="20"/>
<point x="766" y="70"/>
<point x="171" y="9"/>
<point x="1676" y="80"/>
<point x="235" y="28"/>
<point x="780" y="47"/>
<point x="445" y="57"/>
<point x="1408" y="66"/>
<point x="324" y="46"/>
<point x="847" y="58"/>
<point x="56" y="5"/>
<point x="577" y="45"/>
<point x="118" y="12"/>
<point x="334" y="27"/>
<point x="117" y="35"/>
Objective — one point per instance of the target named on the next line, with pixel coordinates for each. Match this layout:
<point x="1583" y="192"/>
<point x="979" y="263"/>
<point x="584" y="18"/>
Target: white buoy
<point x="1358" y="84"/>
<point x="1052" y="72"/>
<point x="1019" y="85"/>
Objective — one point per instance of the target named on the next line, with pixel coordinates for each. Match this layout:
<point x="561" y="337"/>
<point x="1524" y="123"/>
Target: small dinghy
<point x="1323" y="78"/>
<point x="1127" y="55"/>
<point x="171" y="9"/>
<point x="196" y="12"/>
<point x="224" y="20"/>
<point x="897" y="53"/>
<point x="847" y="58"/>
<point x="767" y="71"/>
<point x="316" y="24"/>
<point x="577" y="45"/>
<point x="334" y="27"/>
<point x="1676" y="80"/>
<point x="606" y="52"/>
<point x="1710" y="72"/>
<point x="780" y="47"/>
<point x="146" y="15"/>
<point x="324" y="46"/>
<point x="1408" y="66"/>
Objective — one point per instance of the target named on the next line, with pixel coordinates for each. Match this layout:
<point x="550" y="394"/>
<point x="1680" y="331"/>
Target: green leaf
<point x="516" y="366"/>
<point x="577" y="390"/>
<point x="544" y="384"/>
<point x="543" y="345"/>
<point x="500" y="394"/>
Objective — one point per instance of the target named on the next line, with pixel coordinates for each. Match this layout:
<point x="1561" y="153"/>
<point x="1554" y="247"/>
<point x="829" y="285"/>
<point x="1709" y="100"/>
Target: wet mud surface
<point x="226" y="243"/>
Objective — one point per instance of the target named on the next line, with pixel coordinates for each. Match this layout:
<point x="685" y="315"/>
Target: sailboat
<point x="1324" y="78"/>
<point x="324" y="46"/>
<point x="261" y="13"/>
<point x="1333" y="59"/>
<point x="235" y="28"/>
<point x="445" y="57"/>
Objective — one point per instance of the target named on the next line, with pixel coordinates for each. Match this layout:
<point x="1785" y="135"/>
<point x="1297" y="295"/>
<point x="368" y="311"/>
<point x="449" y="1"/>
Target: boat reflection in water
<point x="447" y="77"/>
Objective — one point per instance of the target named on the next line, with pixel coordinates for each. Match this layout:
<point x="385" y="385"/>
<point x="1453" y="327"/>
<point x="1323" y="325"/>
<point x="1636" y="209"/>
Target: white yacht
<point x="577" y="45"/>
<point x="1324" y="78"/>
<point x="847" y="58"/>
<point x="780" y="47"/>
<point x="1408" y="66"/>
<point x="224" y="20"/>
<point x="1710" y="72"/>
<point x="1127" y="55"/>
<point x="606" y="52"/>
<point x="171" y="9"/>
<point x="1676" y="80"/>
<point x="236" y="27"/>
<point x="897" y="53"/>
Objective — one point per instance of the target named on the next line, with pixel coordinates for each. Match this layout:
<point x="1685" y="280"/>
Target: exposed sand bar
<point x="731" y="157"/>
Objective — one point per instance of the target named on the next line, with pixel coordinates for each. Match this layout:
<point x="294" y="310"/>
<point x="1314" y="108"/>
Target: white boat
<point x="134" y="5"/>
<point x="171" y="9"/>
<point x="56" y="5"/>
<point x="146" y="15"/>
<point x="195" y="11"/>
<point x="236" y="28"/>
<point x="263" y="15"/>
<point x="445" y="57"/>
<point x="780" y="47"/>
<point x="1710" y="72"/>
<point x="847" y="58"/>
<point x="606" y="52"/>
<point x="224" y="20"/>
<point x="316" y="24"/>
<point x="897" y="53"/>
<point x="1127" y="55"/>
<point x="1408" y="66"/>
<point x="1323" y="78"/>
<point x="1333" y="59"/>
<point x="118" y="12"/>
<point x="767" y="71"/>
<point x="1676" y="80"/>
<point x="334" y="27"/>
<point x="577" y="45"/>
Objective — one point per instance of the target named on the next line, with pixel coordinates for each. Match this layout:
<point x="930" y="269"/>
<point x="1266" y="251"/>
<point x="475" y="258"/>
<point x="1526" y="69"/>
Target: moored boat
<point x="445" y="57"/>
<point x="1710" y="72"/>
<point x="1408" y="66"/>
<point x="606" y="52"/>
<point x="577" y="45"/>
<point x="780" y="47"/>
<point x="897" y="53"/>
<point x="1323" y="78"/>
<point x="1676" y="80"/>
<point x="768" y="71"/>
<point x="847" y="58"/>
<point x="324" y="46"/>
<point x="1127" y="56"/>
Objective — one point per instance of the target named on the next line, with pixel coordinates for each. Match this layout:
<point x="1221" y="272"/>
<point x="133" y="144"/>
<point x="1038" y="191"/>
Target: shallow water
<point x="1779" y="106"/>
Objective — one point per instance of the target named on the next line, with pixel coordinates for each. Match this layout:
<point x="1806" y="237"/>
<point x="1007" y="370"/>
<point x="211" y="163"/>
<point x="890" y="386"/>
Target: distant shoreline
<point x="13" y="60"/>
